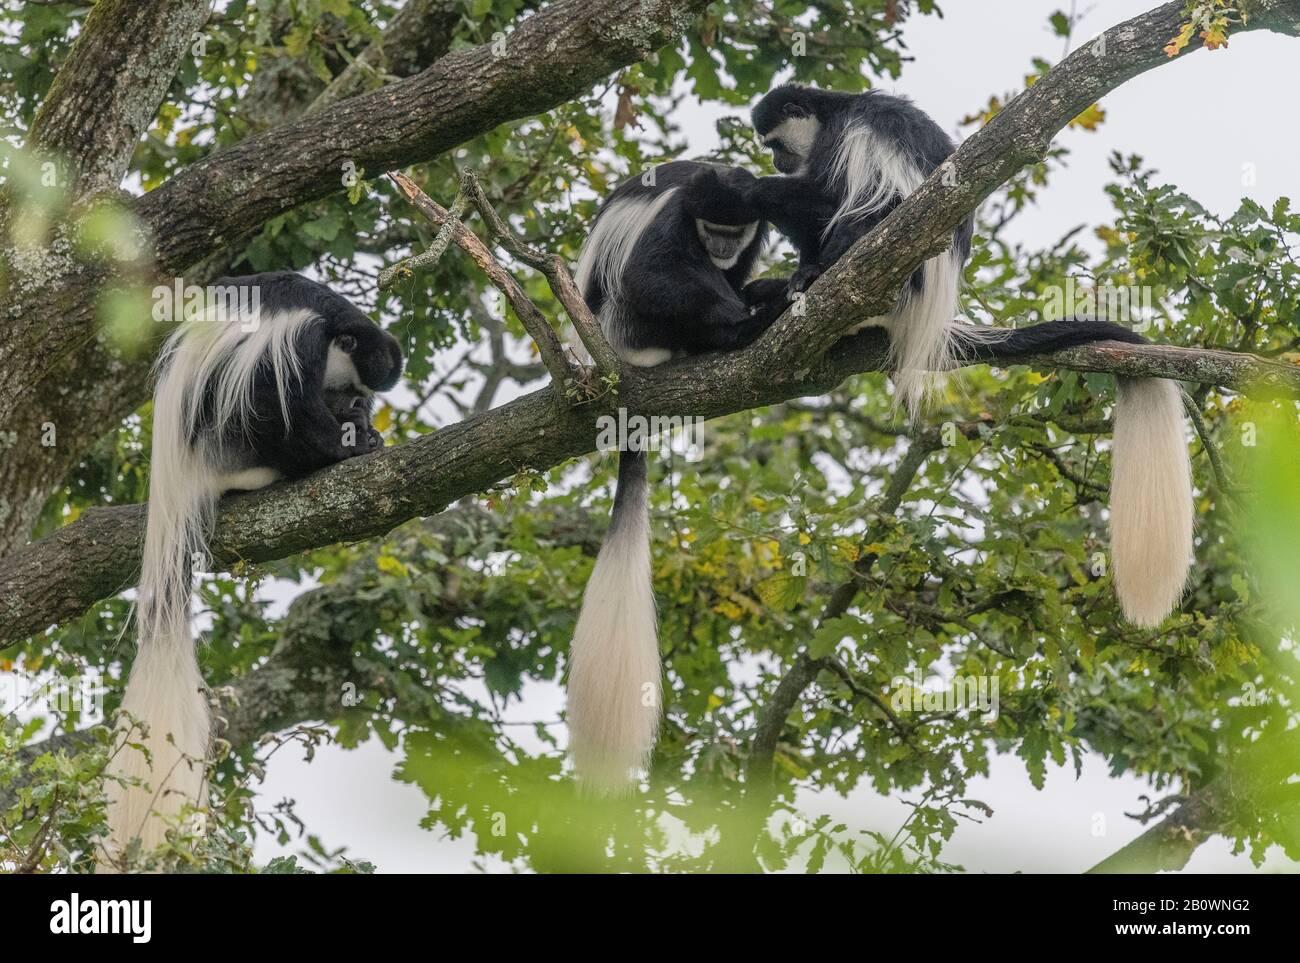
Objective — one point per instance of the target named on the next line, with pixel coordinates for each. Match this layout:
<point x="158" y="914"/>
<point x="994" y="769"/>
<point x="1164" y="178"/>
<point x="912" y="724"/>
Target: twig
<point x="1211" y="449"/>
<point x="41" y="840"/>
<point x="553" y="269"/>
<point x="534" y="322"/>
<point x="1082" y="483"/>
<point x="408" y="266"/>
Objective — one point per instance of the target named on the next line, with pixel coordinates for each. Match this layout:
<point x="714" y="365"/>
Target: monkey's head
<point x="788" y="120"/>
<point x="361" y="353"/>
<point x="714" y="198"/>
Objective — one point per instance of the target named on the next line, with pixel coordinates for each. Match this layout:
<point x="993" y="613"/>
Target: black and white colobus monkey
<point x="850" y="159"/>
<point x="665" y="270"/>
<point x="244" y="397"/>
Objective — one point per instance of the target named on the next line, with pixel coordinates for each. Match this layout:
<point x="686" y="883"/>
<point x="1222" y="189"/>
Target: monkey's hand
<point x="720" y="194"/>
<point x="368" y="437"/>
<point x="803" y="279"/>
<point x="764" y="290"/>
<point x="358" y="435"/>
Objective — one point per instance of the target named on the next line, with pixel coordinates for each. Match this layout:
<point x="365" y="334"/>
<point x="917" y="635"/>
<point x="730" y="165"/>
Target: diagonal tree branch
<point x="557" y="277"/>
<point x="529" y="314"/>
<point x="99" y="554"/>
<point x="1256" y="788"/>
<point x="552" y="56"/>
<point x="549" y="58"/>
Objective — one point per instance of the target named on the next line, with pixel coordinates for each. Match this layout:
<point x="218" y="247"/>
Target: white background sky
<point x="1198" y="121"/>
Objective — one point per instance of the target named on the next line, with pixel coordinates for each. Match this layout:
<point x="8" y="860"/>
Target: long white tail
<point x="614" y="675"/>
<point x="1150" y="499"/>
<point x="209" y="360"/>
<point x="922" y="344"/>
<point x="165" y="689"/>
<point x="869" y="170"/>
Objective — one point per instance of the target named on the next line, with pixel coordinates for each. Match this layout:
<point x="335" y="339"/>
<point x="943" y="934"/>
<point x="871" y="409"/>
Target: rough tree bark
<point x="107" y="92"/>
<point x="100" y="104"/>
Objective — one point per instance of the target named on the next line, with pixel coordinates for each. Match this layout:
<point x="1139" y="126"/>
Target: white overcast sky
<point x="1198" y="121"/>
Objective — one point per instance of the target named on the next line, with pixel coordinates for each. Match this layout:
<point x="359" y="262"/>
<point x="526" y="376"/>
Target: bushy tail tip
<point x="614" y="673"/>
<point x="1150" y="500"/>
<point x="165" y="692"/>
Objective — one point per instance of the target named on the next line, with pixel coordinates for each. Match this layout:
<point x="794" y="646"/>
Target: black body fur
<point x="672" y="296"/>
<point x="314" y="436"/>
<point x="801" y="205"/>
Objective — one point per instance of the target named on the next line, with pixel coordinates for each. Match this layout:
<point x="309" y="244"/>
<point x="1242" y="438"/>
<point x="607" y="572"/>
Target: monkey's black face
<point x="783" y="159"/>
<point x="361" y="354"/>
<point x="791" y="142"/>
<point x="725" y="242"/>
<point x="716" y="200"/>
<point x="788" y="126"/>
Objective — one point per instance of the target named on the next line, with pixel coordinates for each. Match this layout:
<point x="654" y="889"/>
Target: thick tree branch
<point x="1256" y="789"/>
<point x="99" y="106"/>
<point x="552" y="56"/>
<point x="99" y="554"/>
<point x="106" y="93"/>
<point x="478" y="452"/>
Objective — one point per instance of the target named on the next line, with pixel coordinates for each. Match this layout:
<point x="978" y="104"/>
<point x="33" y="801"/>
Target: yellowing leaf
<point x="1215" y="37"/>
<point x="728" y="609"/>
<point x="782" y="592"/>
<point x="391" y="565"/>
<point x="848" y="549"/>
<point x="1090" y="119"/>
<point x="1184" y="37"/>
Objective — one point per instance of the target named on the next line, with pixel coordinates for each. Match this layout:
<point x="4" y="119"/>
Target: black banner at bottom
<point x="134" y="914"/>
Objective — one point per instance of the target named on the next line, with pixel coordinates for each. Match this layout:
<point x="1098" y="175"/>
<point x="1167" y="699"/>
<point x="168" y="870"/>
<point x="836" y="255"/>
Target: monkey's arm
<point x="315" y="437"/>
<point x="683" y="306"/>
<point x="834" y="245"/>
<point x="720" y="321"/>
<point x="796" y="206"/>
